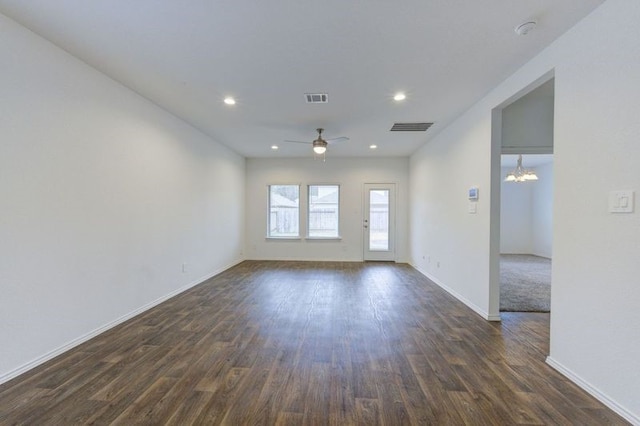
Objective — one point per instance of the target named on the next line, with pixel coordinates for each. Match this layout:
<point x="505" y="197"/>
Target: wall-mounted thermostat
<point x="473" y="194"/>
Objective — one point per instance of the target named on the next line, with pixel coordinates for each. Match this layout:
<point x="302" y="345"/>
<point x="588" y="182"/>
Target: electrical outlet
<point x="438" y="264"/>
<point x="184" y="268"/>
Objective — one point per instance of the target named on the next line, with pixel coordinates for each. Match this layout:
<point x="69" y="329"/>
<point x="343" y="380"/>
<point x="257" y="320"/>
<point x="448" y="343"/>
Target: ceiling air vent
<point x="410" y="127"/>
<point x="316" y="98"/>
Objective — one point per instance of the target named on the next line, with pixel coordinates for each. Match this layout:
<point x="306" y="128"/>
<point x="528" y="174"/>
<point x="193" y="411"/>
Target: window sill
<point x="338" y="238"/>
<point x="283" y="238"/>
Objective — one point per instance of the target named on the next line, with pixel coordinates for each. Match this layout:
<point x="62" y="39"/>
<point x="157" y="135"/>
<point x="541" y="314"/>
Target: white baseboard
<point x="77" y="341"/>
<point x="494" y="317"/>
<point x="595" y="392"/>
<point x="304" y="259"/>
<point x="316" y="259"/>
<point x="458" y="296"/>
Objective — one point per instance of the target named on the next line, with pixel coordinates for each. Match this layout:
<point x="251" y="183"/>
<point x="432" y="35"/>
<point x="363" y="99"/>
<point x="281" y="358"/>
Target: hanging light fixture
<point x="319" y="145"/>
<point x="519" y="174"/>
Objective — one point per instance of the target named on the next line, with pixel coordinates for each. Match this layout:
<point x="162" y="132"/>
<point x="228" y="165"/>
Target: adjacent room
<point x="295" y="213"/>
<point x="526" y="237"/>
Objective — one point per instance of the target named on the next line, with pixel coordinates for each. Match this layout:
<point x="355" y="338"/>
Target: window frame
<point x="337" y="235"/>
<point x="270" y="236"/>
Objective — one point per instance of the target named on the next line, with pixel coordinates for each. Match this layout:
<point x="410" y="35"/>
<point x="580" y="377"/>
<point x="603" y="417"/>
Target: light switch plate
<point x="621" y="201"/>
<point x="473" y="207"/>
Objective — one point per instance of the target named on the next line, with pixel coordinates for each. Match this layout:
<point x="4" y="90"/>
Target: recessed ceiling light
<point x="399" y="96"/>
<point x="229" y="100"/>
<point x="274" y="147"/>
<point x="373" y="146"/>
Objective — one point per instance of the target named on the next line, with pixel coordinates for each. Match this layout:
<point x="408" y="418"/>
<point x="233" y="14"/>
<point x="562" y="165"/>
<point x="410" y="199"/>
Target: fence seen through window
<point x="284" y="211"/>
<point x="324" y="211"/>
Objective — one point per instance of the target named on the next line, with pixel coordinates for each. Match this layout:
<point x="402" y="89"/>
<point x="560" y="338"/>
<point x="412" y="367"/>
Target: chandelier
<point x="519" y="174"/>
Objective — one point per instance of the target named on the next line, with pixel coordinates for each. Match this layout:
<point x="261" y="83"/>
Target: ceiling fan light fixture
<point x="319" y="146"/>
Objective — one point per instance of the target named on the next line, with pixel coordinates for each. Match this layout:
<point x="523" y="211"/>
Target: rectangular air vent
<point x="316" y="98"/>
<point x="410" y="127"/>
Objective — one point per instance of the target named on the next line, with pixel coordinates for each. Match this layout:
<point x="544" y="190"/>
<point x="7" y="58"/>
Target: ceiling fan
<point x="320" y="144"/>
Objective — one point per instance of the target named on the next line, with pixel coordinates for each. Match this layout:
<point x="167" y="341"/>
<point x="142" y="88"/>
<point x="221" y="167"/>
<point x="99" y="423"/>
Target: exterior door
<point x="379" y="222"/>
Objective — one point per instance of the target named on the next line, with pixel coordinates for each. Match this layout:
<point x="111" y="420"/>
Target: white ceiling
<point x="187" y="56"/>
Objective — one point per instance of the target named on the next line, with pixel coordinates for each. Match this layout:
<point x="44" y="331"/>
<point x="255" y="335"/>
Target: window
<point x="324" y="211"/>
<point x="284" y="211"/>
<point x="379" y="219"/>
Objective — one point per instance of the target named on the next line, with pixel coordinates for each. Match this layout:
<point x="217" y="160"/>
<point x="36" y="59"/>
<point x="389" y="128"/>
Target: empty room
<point x="298" y="213"/>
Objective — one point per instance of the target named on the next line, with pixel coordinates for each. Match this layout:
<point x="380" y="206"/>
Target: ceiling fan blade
<point x="340" y="139"/>
<point x="308" y="143"/>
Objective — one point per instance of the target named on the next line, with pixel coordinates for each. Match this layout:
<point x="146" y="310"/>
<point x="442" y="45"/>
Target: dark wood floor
<point x="307" y="343"/>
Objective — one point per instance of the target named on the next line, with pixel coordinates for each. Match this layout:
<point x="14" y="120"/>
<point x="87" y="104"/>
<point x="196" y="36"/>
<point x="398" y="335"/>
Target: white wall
<point x="527" y="124"/>
<point x="526" y="214"/>
<point x="595" y="326"/>
<point x="103" y="196"/>
<point x="542" y="212"/>
<point x="516" y="216"/>
<point x="351" y="174"/>
<point x="596" y="333"/>
<point x="448" y="244"/>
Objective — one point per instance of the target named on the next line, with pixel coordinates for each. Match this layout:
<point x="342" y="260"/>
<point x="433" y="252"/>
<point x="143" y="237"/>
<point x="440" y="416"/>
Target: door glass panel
<point x="379" y="220"/>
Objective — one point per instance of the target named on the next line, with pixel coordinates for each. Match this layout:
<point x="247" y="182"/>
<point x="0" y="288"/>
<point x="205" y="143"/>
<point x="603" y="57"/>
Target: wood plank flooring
<point x="306" y="343"/>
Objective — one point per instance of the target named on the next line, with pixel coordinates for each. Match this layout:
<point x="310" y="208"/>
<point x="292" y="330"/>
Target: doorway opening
<point x="521" y="211"/>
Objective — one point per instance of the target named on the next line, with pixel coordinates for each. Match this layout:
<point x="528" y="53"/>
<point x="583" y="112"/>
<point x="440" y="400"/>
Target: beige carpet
<point x="525" y="283"/>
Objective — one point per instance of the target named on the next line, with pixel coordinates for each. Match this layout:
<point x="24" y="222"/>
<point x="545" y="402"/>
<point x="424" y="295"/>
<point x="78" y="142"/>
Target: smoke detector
<point x="525" y="27"/>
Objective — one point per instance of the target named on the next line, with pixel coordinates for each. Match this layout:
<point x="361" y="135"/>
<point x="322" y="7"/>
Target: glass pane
<point x="284" y="211"/>
<point x="379" y="220"/>
<point x="324" y="210"/>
